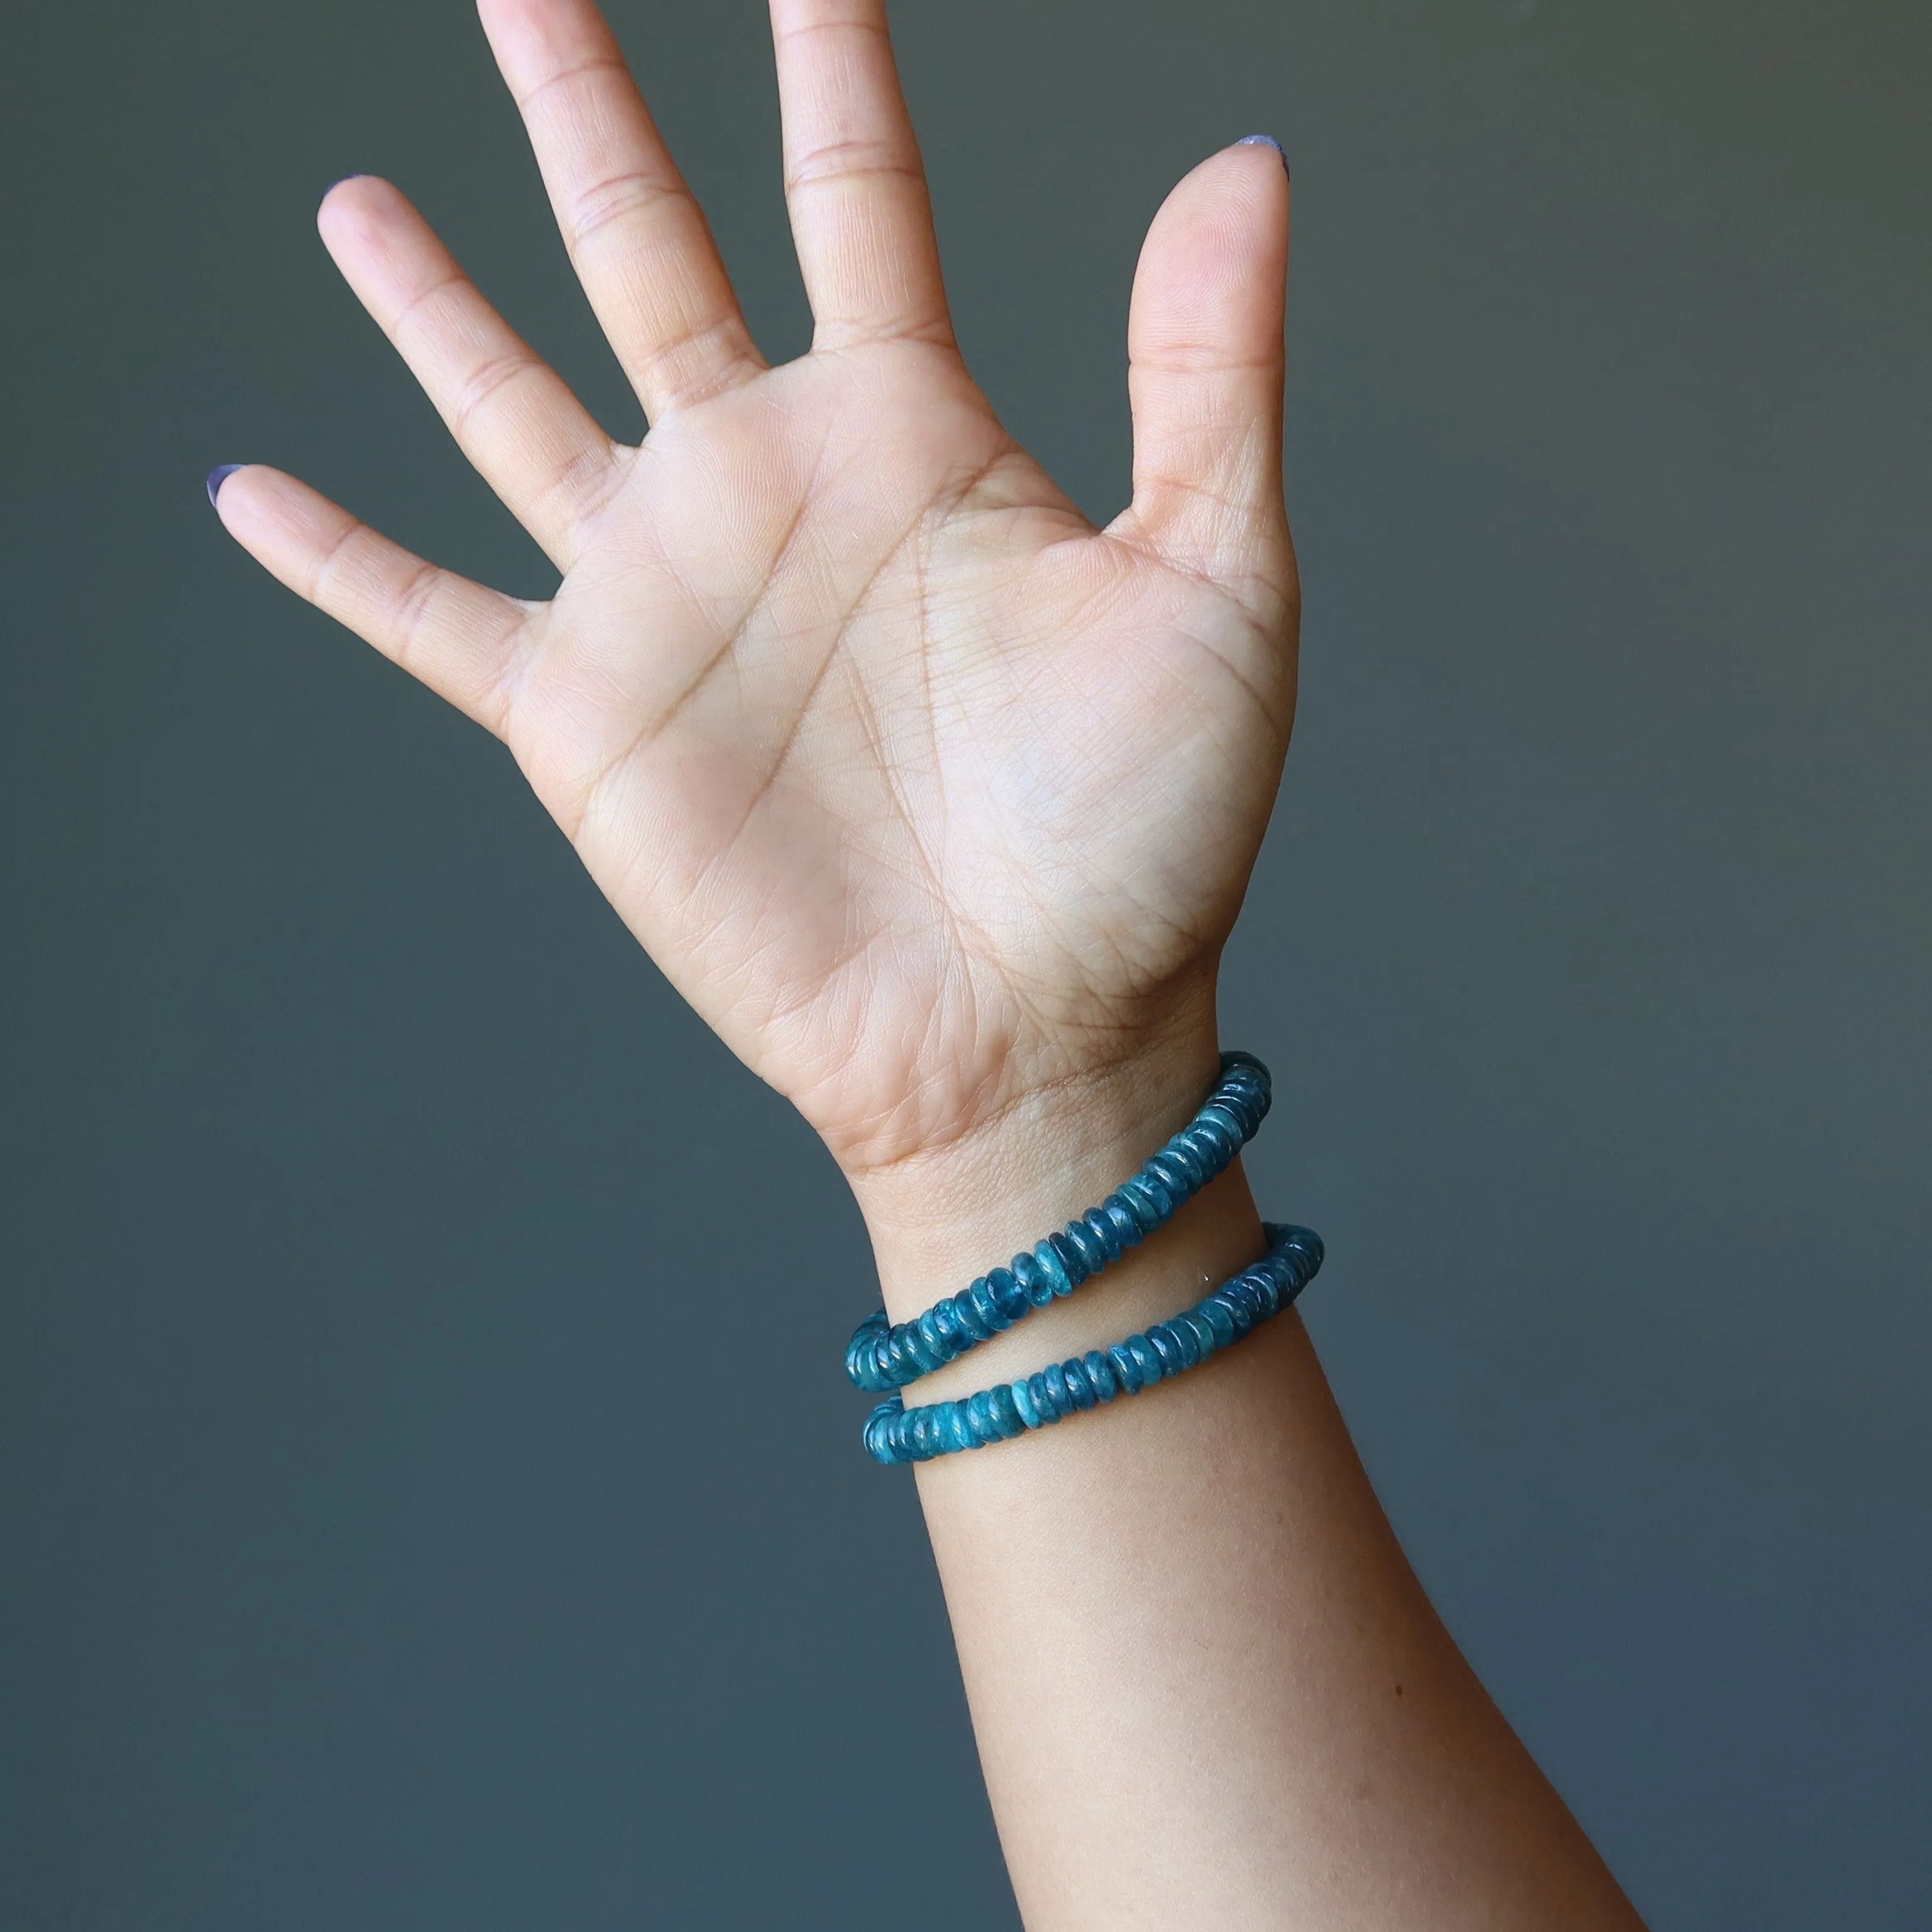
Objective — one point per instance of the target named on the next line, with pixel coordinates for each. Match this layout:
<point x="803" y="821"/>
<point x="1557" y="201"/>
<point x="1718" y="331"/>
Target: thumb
<point x="1205" y="378"/>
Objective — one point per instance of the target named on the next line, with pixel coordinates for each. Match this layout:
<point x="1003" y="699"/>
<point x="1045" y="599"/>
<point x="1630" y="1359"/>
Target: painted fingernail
<point x="220" y="474"/>
<point x="1265" y="141"/>
<point x="337" y="182"/>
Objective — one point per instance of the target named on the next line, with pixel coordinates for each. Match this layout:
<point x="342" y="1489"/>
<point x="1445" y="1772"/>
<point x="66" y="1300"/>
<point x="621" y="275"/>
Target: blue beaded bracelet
<point x="896" y="1434"/>
<point x="883" y="1356"/>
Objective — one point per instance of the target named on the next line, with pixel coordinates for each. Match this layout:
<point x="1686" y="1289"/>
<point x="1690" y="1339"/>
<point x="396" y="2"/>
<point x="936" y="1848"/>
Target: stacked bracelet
<point x="883" y="1356"/>
<point x="896" y="1434"/>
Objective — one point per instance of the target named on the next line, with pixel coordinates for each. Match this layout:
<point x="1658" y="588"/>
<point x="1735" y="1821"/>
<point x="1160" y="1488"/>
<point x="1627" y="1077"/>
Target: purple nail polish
<point x="220" y="474"/>
<point x="337" y="182"/>
<point x="1265" y="141"/>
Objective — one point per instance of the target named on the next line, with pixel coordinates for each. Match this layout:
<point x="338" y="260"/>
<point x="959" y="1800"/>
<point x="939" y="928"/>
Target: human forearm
<point x="1207" y="1688"/>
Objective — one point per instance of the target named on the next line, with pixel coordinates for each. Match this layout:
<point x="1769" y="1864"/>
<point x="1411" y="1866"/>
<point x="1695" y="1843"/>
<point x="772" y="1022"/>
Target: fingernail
<point x="337" y="182"/>
<point x="1265" y="141"/>
<point x="220" y="474"/>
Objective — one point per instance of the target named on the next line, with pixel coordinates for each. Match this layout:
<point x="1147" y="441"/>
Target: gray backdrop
<point x="364" y="1561"/>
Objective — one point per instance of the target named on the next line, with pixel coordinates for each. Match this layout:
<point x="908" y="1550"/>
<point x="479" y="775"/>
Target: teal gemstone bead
<point x="1214" y="1312"/>
<point x="1052" y="1269"/>
<point x="1032" y="1280"/>
<point x="1054" y="1377"/>
<point x="1073" y="1262"/>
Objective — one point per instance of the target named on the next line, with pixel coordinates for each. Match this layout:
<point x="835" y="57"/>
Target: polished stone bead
<point x="1007" y="1417"/>
<point x="986" y="1307"/>
<point x="1147" y="1201"/>
<point x="1102" y="1228"/>
<point x="1009" y="1297"/>
<point x="972" y="1318"/>
<point x="1186" y="1343"/>
<point x="1197" y="1325"/>
<point x="1177" y="1171"/>
<point x="1100" y="1375"/>
<point x="1240" y="1311"/>
<point x="1034" y="1283"/>
<point x="1166" y="1349"/>
<point x="1054" y="1377"/>
<point x="1074" y="1374"/>
<point x="1024" y="1403"/>
<point x="1071" y="1261"/>
<point x="938" y="1329"/>
<point x="1214" y="1312"/>
<point x="1052" y="1269"/>
<point x="1088" y="1245"/>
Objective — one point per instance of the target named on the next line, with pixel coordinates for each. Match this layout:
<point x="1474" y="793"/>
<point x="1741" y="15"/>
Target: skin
<point x="938" y="804"/>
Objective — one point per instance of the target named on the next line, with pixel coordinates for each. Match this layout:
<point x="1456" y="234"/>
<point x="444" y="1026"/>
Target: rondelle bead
<point x="1201" y="1328"/>
<point x="1182" y="1335"/>
<point x="1032" y="1280"/>
<point x="1126" y="1369"/>
<point x="1010" y="1299"/>
<point x="1005" y="1412"/>
<point x="1101" y="1228"/>
<point x="1052" y="1269"/>
<point x="1214" y="1312"/>
<point x="1073" y="1262"/>
<point x="1146" y="1200"/>
<point x="1055" y="1376"/>
<point x="1088" y="1245"/>
<point x="1100" y="1375"/>
<point x="1166" y="1348"/>
<point x="973" y="1317"/>
<point x="1074" y="1374"/>
<point x="1177" y="1168"/>
<point x="1240" y="1311"/>
<point x="1024" y="1405"/>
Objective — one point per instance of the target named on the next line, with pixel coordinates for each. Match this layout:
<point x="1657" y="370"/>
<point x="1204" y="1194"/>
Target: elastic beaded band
<point x="883" y="1356"/>
<point x="896" y="1434"/>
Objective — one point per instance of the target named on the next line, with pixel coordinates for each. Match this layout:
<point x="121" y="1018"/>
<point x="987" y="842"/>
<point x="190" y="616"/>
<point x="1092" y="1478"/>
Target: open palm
<point x="924" y="793"/>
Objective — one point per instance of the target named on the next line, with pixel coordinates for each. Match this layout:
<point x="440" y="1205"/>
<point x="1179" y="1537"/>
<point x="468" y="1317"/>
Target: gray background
<point x="364" y="1561"/>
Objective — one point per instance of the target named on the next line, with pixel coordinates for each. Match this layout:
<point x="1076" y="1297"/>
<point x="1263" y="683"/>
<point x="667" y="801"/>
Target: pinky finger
<point x="464" y="641"/>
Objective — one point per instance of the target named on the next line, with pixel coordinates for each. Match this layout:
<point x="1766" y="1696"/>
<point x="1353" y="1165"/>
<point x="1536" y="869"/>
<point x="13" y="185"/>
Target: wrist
<point x="939" y="1218"/>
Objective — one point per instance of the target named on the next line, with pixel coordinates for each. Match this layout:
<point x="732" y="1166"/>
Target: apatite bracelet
<point x="883" y="1356"/>
<point x="896" y="1434"/>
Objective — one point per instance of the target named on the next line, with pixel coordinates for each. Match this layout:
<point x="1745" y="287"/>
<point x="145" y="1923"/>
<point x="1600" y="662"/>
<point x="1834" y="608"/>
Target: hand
<point x="932" y="798"/>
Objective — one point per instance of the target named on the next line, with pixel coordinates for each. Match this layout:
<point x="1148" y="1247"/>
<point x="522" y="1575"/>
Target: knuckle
<point x="616" y="199"/>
